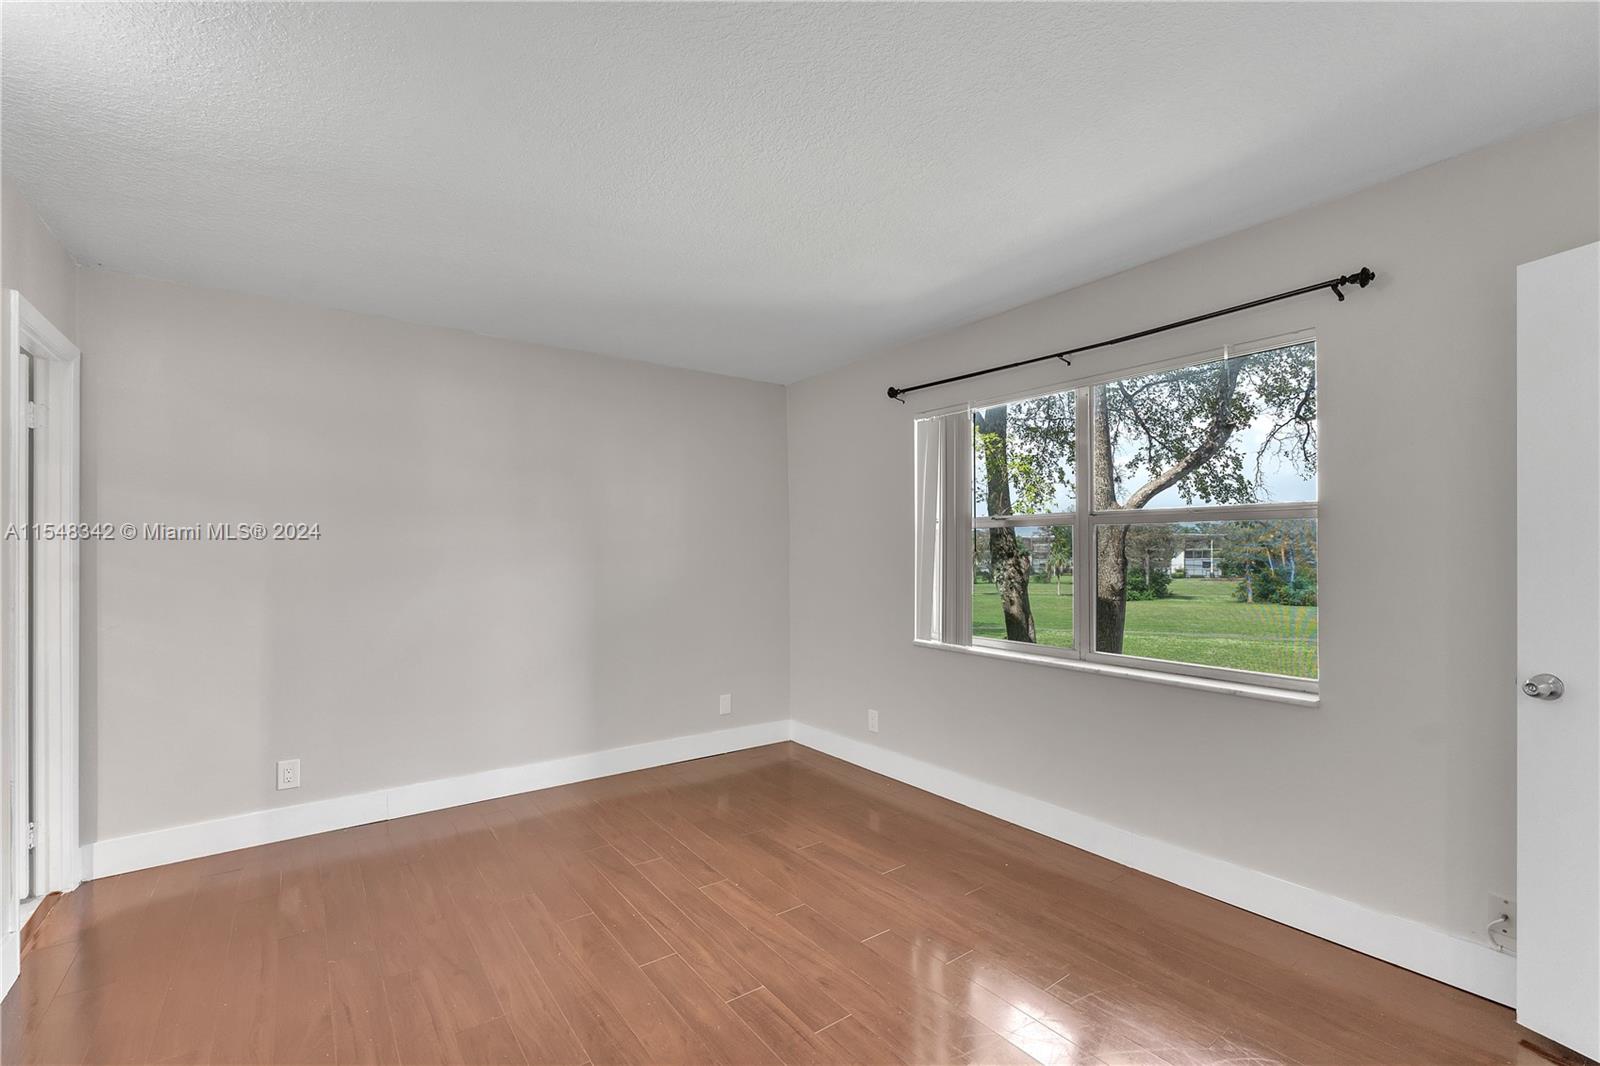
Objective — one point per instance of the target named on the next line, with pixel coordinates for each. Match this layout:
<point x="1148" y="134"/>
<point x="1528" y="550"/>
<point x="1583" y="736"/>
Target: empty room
<point x="576" y="534"/>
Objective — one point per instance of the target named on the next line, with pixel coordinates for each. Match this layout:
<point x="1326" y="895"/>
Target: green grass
<point x="1200" y="623"/>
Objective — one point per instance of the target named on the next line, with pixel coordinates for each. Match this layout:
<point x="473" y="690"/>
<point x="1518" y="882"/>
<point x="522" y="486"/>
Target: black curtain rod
<point x="1361" y="278"/>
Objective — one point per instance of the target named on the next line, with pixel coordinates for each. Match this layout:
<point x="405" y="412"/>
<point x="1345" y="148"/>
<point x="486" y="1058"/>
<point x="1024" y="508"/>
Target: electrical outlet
<point x="725" y="704"/>
<point x="872" y="720"/>
<point x="1501" y="907"/>
<point x="288" y="774"/>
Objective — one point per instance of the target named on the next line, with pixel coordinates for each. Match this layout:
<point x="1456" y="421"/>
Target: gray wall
<point x="526" y="553"/>
<point x="33" y="262"/>
<point x="1398" y="791"/>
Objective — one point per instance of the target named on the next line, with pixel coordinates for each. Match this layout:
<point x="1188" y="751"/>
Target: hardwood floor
<point x="770" y="906"/>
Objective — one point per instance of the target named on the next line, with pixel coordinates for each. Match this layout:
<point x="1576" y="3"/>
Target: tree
<point x="1060" y="560"/>
<point x="1150" y="550"/>
<point x="1008" y="563"/>
<point x="1175" y="429"/>
<point x="1275" y="561"/>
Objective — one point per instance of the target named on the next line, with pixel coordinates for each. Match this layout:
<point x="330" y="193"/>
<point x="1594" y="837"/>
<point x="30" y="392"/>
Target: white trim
<point x="139" y="851"/>
<point x="1025" y="521"/>
<point x="56" y="605"/>
<point x="1444" y="956"/>
<point x="15" y="658"/>
<point x="1222" y="512"/>
<point x="1069" y="659"/>
<point x="1244" y="681"/>
<point x="956" y="567"/>
<point x="49" y="657"/>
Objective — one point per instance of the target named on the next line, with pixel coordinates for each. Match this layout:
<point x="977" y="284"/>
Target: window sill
<point x="1203" y="684"/>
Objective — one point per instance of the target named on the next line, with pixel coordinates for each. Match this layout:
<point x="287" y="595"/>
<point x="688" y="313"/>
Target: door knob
<point x="1543" y="687"/>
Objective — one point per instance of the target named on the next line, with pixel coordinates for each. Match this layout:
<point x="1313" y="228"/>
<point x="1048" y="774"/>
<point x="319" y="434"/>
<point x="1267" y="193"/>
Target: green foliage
<point x="1259" y="584"/>
<point x="1157" y="586"/>
<point x="1266" y="585"/>
<point x="1275" y="561"/>
<point x="1059" y="564"/>
<point x="1034" y="455"/>
<point x="1150" y="548"/>
<point x="1299" y="594"/>
<point x="1159" y="421"/>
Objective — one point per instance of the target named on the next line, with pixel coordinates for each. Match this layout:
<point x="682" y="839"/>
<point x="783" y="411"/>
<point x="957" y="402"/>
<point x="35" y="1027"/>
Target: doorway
<point x="39" y="498"/>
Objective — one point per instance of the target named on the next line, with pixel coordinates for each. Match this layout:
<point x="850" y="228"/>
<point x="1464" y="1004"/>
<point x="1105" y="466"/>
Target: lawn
<point x="1200" y="622"/>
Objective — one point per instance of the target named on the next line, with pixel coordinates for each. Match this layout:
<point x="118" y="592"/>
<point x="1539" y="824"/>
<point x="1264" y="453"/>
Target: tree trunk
<point x="1007" y="561"/>
<point x="1111" y="546"/>
<point x="1111" y="592"/>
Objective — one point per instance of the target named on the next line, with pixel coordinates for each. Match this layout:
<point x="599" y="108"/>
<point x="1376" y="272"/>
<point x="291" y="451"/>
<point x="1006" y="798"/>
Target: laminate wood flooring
<point x="772" y="906"/>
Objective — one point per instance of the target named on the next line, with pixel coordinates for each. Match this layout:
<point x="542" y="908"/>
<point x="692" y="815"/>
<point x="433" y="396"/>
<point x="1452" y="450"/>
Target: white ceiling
<point x="757" y="189"/>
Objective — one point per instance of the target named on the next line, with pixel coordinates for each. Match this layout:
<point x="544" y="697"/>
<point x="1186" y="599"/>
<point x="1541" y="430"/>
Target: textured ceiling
<point x="758" y="189"/>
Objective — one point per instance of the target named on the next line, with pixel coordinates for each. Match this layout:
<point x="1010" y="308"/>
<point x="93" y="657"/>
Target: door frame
<point x="51" y="660"/>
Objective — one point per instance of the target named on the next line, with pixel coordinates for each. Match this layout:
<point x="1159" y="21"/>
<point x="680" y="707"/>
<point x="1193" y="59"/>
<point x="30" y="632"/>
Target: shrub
<point x="1260" y="584"/>
<point x="1300" y="594"/>
<point x="1158" y="586"/>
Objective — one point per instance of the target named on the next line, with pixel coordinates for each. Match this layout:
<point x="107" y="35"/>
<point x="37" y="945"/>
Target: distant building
<point x="1197" y="555"/>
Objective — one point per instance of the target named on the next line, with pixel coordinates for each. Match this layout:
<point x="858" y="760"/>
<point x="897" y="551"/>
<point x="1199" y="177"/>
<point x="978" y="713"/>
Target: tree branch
<point x="1138" y="416"/>
<point x="1215" y="439"/>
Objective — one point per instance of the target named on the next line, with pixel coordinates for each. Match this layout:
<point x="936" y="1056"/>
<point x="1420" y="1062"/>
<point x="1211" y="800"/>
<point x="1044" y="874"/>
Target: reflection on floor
<point x="770" y="906"/>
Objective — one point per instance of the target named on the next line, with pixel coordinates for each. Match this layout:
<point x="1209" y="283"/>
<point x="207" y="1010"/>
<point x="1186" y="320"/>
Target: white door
<point x="1558" y="634"/>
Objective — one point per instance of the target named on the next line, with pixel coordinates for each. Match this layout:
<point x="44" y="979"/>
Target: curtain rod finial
<point x="894" y="394"/>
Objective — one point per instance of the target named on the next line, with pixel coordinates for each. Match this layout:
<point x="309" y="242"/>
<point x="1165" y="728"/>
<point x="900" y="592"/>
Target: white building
<point x="1196" y="556"/>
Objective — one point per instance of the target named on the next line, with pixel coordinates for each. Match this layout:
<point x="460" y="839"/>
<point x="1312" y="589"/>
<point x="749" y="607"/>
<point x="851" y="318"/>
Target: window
<point x="1024" y="491"/>
<point x="1191" y="496"/>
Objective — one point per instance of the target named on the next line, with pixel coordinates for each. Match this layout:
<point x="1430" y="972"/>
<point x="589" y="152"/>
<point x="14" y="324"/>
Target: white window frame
<point x="957" y="489"/>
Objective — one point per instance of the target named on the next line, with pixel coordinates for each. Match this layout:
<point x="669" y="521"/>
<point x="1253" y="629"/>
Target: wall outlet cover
<point x="288" y="774"/>
<point x="725" y="704"/>
<point x="872" y="720"/>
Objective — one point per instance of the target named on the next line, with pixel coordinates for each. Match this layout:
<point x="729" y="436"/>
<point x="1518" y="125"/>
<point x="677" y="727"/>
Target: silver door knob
<point x="1543" y="687"/>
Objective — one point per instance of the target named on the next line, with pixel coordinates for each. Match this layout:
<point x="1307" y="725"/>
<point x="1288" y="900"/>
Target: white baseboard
<point x="103" y="858"/>
<point x="1476" y="967"/>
